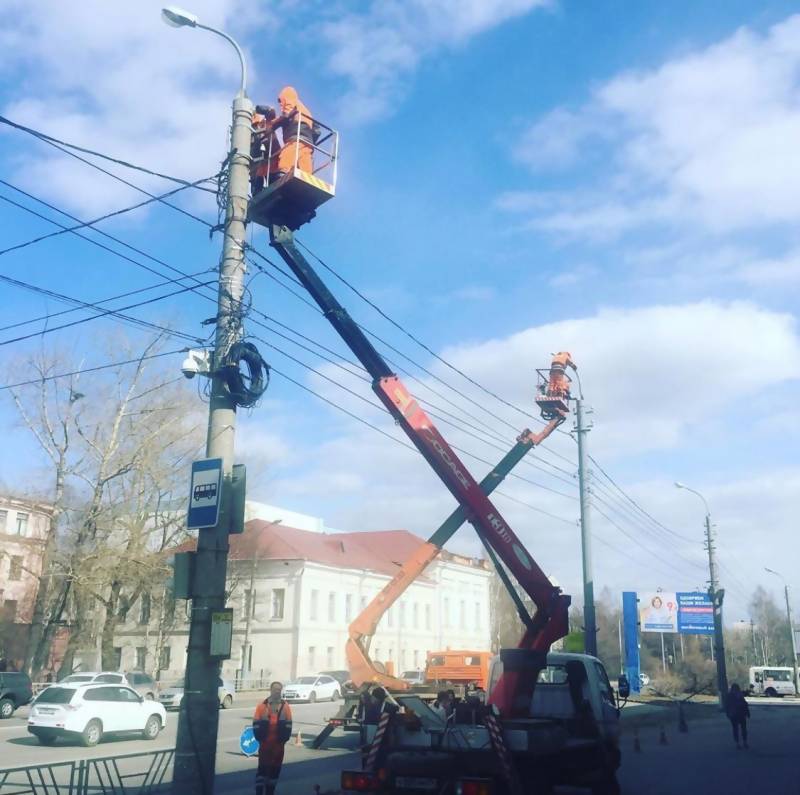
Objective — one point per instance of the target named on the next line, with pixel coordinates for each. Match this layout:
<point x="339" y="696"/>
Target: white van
<point x="771" y="681"/>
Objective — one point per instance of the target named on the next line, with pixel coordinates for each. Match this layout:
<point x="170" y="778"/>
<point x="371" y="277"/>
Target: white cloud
<point x="707" y="139"/>
<point x="115" y="78"/>
<point x="378" y="49"/>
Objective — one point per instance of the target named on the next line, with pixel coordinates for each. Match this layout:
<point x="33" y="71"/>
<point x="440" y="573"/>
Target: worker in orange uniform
<point x="297" y="126"/>
<point x="559" y="383"/>
<point x="272" y="727"/>
<point x="264" y="148"/>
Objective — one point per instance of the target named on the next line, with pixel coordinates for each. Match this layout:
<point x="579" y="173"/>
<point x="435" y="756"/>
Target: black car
<point x="15" y="691"/>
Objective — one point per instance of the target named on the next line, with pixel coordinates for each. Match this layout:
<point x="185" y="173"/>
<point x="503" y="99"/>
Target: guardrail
<point x="110" y="775"/>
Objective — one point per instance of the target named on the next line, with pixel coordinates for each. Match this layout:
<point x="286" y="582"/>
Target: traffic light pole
<point x="195" y="751"/>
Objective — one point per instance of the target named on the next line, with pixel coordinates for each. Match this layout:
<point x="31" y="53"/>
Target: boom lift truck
<point x="287" y="206"/>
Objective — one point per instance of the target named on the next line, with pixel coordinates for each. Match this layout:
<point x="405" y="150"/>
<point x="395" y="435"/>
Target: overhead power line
<point x="83" y="370"/>
<point x="84" y="224"/>
<point x="117" y="313"/>
<point x="49" y="139"/>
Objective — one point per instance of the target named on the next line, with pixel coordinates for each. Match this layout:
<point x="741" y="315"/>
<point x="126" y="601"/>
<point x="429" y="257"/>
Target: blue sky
<point x="516" y="178"/>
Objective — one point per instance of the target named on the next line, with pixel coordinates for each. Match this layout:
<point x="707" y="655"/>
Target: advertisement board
<point x="658" y="612"/>
<point x="695" y="613"/>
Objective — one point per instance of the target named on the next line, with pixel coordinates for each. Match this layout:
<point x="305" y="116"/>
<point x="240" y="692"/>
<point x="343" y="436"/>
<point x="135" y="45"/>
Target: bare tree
<point x="118" y="464"/>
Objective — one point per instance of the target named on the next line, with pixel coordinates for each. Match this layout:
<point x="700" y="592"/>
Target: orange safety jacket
<point x="272" y="727"/>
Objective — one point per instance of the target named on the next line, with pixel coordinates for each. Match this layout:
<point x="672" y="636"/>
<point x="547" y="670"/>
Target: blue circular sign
<point x="248" y="742"/>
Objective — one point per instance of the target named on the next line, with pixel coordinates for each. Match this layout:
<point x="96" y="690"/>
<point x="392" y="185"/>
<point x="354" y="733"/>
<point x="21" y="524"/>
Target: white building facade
<point x="295" y="592"/>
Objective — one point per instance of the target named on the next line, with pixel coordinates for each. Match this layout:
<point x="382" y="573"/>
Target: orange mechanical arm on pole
<point x="361" y="666"/>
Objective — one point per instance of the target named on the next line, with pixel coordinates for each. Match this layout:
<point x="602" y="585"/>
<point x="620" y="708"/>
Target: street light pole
<point x="791" y="627"/>
<point x="196" y="745"/>
<point x="717" y="595"/>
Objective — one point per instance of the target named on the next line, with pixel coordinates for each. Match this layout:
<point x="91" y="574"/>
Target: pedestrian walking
<point x="272" y="727"/>
<point x="738" y="712"/>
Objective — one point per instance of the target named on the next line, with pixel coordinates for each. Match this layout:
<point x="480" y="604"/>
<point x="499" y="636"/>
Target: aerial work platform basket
<point x="553" y="392"/>
<point x="291" y="197"/>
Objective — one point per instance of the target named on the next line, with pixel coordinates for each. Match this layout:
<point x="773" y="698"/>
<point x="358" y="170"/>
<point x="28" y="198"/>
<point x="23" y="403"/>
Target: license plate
<point x="415" y="782"/>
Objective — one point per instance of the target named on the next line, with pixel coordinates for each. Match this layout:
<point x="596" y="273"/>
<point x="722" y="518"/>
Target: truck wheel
<point x="770" y="692"/>
<point x="91" y="735"/>
<point x="6" y="708"/>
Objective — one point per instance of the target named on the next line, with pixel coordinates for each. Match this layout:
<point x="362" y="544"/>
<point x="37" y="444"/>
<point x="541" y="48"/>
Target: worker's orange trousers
<point x="305" y="160"/>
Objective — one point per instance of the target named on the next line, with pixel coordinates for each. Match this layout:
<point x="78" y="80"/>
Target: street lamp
<point x="789" y="619"/>
<point x="178" y="18"/>
<point x="196" y="744"/>
<point x="717" y="595"/>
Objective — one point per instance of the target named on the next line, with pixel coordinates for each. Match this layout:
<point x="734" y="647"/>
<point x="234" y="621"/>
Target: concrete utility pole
<point x="791" y="627"/>
<point x="716" y="594"/>
<point x="589" y="619"/>
<point x="196" y="746"/>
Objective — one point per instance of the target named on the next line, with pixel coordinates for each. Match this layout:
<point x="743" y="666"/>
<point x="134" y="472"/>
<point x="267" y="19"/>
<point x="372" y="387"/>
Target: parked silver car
<point x="172" y="695"/>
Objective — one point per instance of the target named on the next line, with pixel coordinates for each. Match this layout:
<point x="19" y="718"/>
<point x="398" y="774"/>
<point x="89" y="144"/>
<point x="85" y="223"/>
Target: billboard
<point x="695" y="613"/>
<point x="658" y="612"/>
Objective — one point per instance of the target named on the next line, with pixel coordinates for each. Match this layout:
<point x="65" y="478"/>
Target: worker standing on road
<point x="738" y="712"/>
<point x="272" y="727"/>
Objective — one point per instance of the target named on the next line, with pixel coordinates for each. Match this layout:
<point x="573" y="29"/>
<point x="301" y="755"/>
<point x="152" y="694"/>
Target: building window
<point x="331" y="607"/>
<point x="477" y="615"/>
<point x="416" y="658"/>
<point x="141" y="658"/>
<point x="15" y="568"/>
<point x="391" y="655"/>
<point x="3" y="521"/>
<point x="348" y="607"/>
<point x="312" y="658"/>
<point x="446" y="612"/>
<point x="390" y="617"/>
<point x="278" y="598"/>
<point x="415" y="616"/>
<point x="330" y="656"/>
<point x="402" y="660"/>
<point x="402" y="616"/>
<point x="144" y="609"/>
<point x="169" y="606"/>
<point x="117" y="657"/>
<point x="427" y="616"/>
<point x="462" y="615"/>
<point x="164" y="658"/>
<point x="22" y="524"/>
<point x="314" y="604"/>
<point x="363" y="601"/>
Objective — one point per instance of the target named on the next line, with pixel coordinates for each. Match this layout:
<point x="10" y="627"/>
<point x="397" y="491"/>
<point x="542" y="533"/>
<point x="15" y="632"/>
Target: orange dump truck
<point x="458" y="667"/>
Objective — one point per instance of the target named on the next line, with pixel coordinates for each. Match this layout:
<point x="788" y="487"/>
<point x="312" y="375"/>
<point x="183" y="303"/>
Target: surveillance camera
<point x="189" y="367"/>
<point x="198" y="361"/>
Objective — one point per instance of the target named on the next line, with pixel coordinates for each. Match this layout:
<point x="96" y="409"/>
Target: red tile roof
<point x="381" y="551"/>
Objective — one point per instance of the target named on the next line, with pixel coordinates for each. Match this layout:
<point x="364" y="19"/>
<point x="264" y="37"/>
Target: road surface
<point x="703" y="761"/>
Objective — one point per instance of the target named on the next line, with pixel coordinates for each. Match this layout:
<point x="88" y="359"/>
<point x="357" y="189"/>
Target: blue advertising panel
<point x="630" y="623"/>
<point x="205" y="493"/>
<point x="695" y="613"/>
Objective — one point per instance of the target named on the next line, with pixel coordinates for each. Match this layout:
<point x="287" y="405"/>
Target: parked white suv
<point x="172" y="695"/>
<point x="88" y="712"/>
<point x="142" y="683"/>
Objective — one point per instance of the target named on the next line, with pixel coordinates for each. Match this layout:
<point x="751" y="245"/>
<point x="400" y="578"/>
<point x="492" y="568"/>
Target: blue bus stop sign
<point x="248" y="742"/>
<point x="205" y="493"/>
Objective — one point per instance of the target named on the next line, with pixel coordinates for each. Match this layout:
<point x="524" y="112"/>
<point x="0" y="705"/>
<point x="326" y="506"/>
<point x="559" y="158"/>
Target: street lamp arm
<point x="694" y="491"/>
<point x="243" y="63"/>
